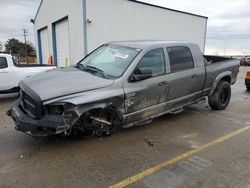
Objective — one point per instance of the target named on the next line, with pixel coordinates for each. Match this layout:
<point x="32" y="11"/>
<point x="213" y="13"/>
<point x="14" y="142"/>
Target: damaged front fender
<point x="81" y="103"/>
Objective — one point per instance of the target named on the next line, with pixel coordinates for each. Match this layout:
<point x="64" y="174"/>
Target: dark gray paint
<point x="62" y="82"/>
<point x="135" y="102"/>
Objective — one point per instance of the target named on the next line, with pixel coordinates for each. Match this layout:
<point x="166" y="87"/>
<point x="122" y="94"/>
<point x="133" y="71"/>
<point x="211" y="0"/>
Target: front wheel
<point x="220" y="99"/>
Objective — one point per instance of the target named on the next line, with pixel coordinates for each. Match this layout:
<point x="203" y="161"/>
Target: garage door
<point x="62" y="43"/>
<point x="44" y="40"/>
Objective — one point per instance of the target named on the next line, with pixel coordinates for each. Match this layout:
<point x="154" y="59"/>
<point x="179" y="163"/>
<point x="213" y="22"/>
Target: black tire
<point x="248" y="88"/>
<point x="220" y="99"/>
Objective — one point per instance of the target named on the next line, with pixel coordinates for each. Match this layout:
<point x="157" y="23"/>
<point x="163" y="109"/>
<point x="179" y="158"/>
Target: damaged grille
<point x="31" y="105"/>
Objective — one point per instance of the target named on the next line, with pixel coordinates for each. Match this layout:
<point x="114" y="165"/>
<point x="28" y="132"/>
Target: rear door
<point x="186" y="79"/>
<point x="142" y="98"/>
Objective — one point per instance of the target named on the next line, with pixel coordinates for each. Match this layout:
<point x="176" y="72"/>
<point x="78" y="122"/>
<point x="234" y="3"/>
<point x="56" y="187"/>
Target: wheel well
<point x="112" y="112"/>
<point x="227" y="79"/>
<point x="216" y="83"/>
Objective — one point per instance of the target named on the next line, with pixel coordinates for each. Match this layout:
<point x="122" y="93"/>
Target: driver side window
<point x="3" y="63"/>
<point x="155" y="60"/>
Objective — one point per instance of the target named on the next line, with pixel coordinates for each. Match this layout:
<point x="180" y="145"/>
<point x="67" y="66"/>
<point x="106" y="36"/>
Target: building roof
<point x="135" y="1"/>
<point x="41" y="2"/>
<point x="157" y="6"/>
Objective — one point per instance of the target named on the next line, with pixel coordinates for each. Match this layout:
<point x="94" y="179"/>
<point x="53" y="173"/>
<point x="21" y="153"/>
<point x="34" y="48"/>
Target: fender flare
<point x="218" y="79"/>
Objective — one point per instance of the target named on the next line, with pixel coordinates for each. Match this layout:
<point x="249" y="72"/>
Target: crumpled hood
<point x="60" y="82"/>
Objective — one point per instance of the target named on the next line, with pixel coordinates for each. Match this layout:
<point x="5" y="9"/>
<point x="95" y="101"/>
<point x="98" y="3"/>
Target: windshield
<point x="109" y="60"/>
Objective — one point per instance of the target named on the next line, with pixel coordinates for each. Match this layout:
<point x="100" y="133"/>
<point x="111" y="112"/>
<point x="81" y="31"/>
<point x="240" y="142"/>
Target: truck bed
<point x="216" y="59"/>
<point x="217" y="65"/>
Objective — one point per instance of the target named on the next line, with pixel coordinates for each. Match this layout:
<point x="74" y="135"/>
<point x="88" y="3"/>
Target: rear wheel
<point x="220" y="99"/>
<point x="248" y="88"/>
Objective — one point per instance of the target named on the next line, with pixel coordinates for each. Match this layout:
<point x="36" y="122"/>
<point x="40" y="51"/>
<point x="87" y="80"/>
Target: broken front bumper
<point x="48" y="125"/>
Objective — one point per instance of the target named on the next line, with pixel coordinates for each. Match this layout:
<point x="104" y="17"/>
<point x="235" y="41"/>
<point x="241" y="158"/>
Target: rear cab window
<point x="3" y="63"/>
<point x="180" y="58"/>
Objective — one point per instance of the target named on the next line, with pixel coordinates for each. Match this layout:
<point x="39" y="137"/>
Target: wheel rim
<point x="224" y="96"/>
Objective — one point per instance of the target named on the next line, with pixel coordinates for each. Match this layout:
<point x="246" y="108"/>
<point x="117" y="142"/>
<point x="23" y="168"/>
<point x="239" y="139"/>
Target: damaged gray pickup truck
<point x="122" y="84"/>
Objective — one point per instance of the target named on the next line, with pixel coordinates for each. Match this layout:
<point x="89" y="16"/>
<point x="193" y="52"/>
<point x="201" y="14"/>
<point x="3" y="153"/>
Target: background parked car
<point x="247" y="80"/>
<point x="11" y="73"/>
<point x="245" y="61"/>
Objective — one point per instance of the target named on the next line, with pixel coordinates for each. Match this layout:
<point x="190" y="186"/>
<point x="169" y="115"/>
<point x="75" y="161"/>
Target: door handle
<point x="194" y="76"/>
<point x="162" y="83"/>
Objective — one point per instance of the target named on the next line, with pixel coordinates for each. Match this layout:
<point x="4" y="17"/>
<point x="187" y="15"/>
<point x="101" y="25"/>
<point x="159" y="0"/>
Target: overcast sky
<point x="228" y="29"/>
<point x="14" y="16"/>
<point x="228" y="23"/>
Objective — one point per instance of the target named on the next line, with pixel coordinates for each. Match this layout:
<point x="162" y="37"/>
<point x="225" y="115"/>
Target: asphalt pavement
<point x="196" y="148"/>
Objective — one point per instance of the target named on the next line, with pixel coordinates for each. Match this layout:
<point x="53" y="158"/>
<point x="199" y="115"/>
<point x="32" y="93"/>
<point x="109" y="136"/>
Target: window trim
<point x="164" y="56"/>
<point x="6" y="63"/>
<point x="170" y="60"/>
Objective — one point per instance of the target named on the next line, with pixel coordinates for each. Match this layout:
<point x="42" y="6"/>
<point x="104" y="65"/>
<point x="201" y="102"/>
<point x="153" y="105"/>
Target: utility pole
<point x="25" y="34"/>
<point x="1" y="46"/>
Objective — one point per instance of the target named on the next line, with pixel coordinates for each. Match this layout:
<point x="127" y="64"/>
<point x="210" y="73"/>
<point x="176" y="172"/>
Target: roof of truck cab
<point x="144" y="44"/>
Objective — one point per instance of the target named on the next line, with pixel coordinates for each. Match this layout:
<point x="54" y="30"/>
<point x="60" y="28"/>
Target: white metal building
<point x="67" y="30"/>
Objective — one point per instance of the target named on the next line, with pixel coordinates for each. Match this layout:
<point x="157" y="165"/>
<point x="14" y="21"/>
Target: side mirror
<point x="141" y="74"/>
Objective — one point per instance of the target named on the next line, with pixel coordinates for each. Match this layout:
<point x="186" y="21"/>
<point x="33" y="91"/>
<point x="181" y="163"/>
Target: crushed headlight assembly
<point x="66" y="110"/>
<point x="59" y="108"/>
<point x="55" y="109"/>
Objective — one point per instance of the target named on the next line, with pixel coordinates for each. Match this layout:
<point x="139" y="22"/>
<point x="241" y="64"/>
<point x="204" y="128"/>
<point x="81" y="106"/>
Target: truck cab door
<point x="187" y="77"/>
<point x="142" y="97"/>
<point x="4" y="74"/>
